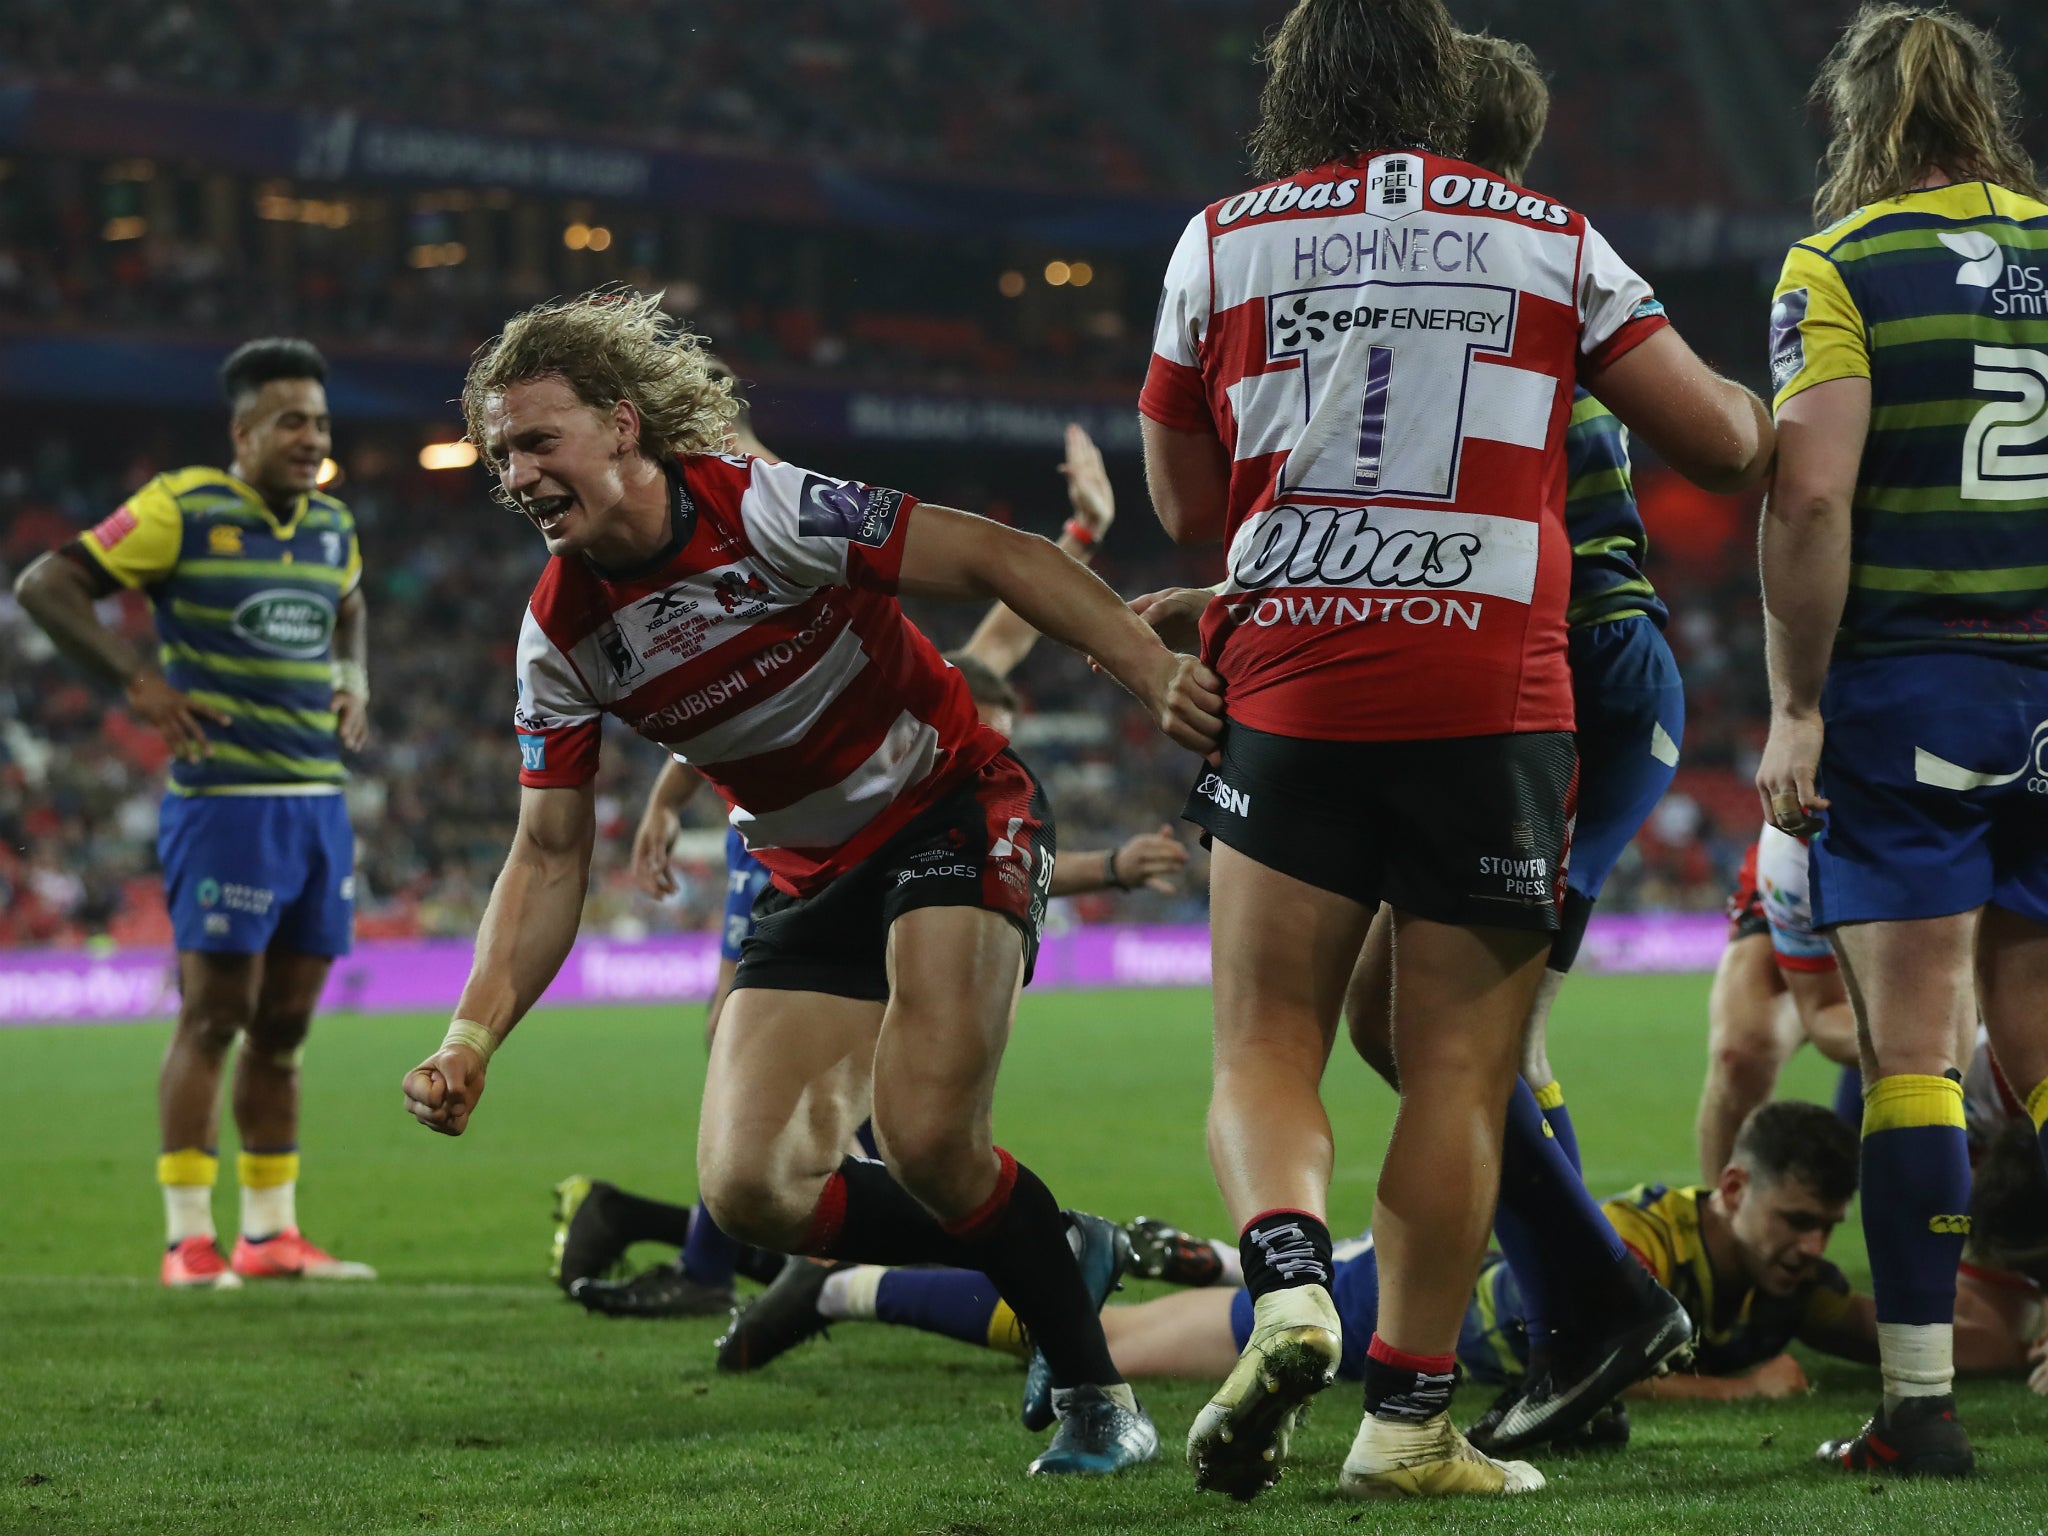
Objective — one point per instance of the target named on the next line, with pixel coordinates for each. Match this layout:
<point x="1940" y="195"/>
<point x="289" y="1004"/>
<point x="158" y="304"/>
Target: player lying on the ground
<point x="1776" y="987"/>
<point x="910" y="849"/>
<point x="699" y="1282"/>
<point x="1745" y="1254"/>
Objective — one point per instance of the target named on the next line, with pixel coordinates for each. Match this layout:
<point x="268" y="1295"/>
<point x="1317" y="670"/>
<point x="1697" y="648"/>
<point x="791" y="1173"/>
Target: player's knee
<point x="752" y="1206"/>
<point x="944" y="1165"/>
<point x="1743" y="1061"/>
<point x="280" y="1033"/>
<point x="210" y="1028"/>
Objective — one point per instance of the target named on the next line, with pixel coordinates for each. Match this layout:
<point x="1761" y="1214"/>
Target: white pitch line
<point x="536" y="1292"/>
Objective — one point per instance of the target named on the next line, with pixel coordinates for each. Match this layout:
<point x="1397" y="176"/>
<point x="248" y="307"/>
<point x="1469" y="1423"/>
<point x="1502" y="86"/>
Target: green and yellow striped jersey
<point x="1940" y="299"/>
<point x="1734" y="1331"/>
<point x="1609" y="544"/>
<point x="245" y="609"/>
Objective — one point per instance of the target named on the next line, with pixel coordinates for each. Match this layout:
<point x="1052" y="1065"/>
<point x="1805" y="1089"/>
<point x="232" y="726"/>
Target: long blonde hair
<point x="1910" y="90"/>
<point x="609" y="345"/>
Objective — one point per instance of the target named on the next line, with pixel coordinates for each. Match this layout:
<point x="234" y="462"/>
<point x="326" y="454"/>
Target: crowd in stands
<point x="1142" y="94"/>
<point x="434" y="797"/>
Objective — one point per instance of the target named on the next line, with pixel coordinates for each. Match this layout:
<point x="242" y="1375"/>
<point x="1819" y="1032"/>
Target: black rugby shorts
<point x="988" y="843"/>
<point x="1472" y="830"/>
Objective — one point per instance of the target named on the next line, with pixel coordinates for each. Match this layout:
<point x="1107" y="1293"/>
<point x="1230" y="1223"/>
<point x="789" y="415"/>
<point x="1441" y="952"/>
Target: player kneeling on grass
<point x="744" y="616"/>
<point x="1745" y="1254"/>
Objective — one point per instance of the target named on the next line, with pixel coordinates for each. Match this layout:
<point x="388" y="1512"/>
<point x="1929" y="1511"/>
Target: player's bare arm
<point x="1153" y="860"/>
<point x="527" y="931"/>
<point x="1188" y="474"/>
<point x="1803" y="554"/>
<point x="1780" y="1376"/>
<point x="1710" y="429"/>
<point x="953" y="554"/>
<point x="1003" y="639"/>
<point x="661" y="819"/>
<point x="58" y="592"/>
<point x="352" y="670"/>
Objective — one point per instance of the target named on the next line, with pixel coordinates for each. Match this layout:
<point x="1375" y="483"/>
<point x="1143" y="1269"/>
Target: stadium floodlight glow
<point x="577" y="237"/>
<point x="329" y="473"/>
<point x="600" y="238"/>
<point x="127" y="227"/>
<point x="448" y="455"/>
<point x="1080" y="274"/>
<point x="1011" y="284"/>
<point x="1058" y="273"/>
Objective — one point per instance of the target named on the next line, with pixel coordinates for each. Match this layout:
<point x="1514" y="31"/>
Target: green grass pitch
<point x="461" y="1393"/>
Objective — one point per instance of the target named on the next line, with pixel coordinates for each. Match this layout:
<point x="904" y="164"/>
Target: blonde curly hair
<point x="609" y="345"/>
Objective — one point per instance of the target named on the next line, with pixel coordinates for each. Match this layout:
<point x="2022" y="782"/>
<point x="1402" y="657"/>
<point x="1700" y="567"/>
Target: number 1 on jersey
<point x="1372" y="418"/>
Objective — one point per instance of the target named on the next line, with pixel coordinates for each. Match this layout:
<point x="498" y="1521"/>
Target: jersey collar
<point x="682" y="527"/>
<point x="284" y="529"/>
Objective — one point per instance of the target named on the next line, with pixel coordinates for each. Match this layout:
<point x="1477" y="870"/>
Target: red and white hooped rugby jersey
<point x="768" y="650"/>
<point x="1386" y="347"/>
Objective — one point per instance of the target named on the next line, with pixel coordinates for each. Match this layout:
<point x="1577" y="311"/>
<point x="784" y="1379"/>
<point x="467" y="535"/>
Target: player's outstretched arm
<point x="1003" y="639"/>
<point x="1151" y="859"/>
<point x="59" y="593"/>
<point x="1803" y="551"/>
<point x="1780" y="1376"/>
<point x="673" y="788"/>
<point x="527" y="930"/>
<point x="1710" y="429"/>
<point x="956" y="555"/>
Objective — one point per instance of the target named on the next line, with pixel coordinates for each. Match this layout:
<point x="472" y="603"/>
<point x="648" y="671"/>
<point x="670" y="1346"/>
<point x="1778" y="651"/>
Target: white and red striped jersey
<point x="766" y="648"/>
<point x="1386" y="347"/>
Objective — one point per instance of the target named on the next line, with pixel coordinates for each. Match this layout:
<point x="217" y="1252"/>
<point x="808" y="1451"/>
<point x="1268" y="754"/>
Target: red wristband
<point x="1080" y="533"/>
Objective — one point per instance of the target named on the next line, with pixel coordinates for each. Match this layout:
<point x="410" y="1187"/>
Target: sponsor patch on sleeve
<point x="115" y="526"/>
<point x="1788" y="343"/>
<point x="846" y="509"/>
<point x="1649" y="309"/>
<point x="533" y="753"/>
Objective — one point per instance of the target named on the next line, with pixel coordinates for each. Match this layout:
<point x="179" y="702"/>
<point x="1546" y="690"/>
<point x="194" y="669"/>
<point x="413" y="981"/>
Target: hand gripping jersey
<point x="766" y="648"/>
<point x="1940" y="299"/>
<point x="1386" y="347"/>
<point x="245" y="608"/>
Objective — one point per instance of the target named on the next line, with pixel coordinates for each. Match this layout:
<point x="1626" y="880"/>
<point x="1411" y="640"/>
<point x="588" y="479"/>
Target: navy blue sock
<point x="1916" y="1195"/>
<point x="708" y="1254"/>
<point x="1550" y="1099"/>
<point x="1849" y="1096"/>
<point x="1565" y="1253"/>
<point x="958" y="1303"/>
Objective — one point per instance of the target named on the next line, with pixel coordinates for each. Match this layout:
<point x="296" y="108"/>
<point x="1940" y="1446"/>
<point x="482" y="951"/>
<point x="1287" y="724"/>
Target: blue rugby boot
<point x="1102" y="1430"/>
<point x="1104" y="1251"/>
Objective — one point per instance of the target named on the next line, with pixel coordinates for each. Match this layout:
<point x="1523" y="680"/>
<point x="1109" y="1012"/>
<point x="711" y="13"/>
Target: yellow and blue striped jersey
<point x="1940" y="299"/>
<point x="245" y="608"/>
<point x="1601" y="518"/>
<point x="1735" y="1331"/>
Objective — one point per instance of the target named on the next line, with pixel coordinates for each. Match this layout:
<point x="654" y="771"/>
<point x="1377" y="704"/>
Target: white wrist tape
<point x="472" y="1036"/>
<point x="352" y="677"/>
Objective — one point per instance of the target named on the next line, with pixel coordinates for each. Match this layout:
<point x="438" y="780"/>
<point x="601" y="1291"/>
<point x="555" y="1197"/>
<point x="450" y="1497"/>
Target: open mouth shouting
<point x="547" y="513"/>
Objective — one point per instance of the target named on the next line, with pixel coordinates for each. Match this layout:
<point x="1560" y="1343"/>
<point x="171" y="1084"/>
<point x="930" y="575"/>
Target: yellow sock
<point x="1006" y="1334"/>
<point x="2037" y="1105"/>
<point x="269" y="1192"/>
<point x="187" y="1177"/>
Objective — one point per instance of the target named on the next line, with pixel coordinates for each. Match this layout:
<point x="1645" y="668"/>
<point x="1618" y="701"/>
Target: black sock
<point x="1282" y="1249"/>
<point x="866" y="1217"/>
<point x="1019" y="1240"/>
<point x="1405" y="1388"/>
<point x="640" y="1220"/>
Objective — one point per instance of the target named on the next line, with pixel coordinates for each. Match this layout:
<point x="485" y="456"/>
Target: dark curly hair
<point x="1351" y="75"/>
<point x="1792" y="1139"/>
